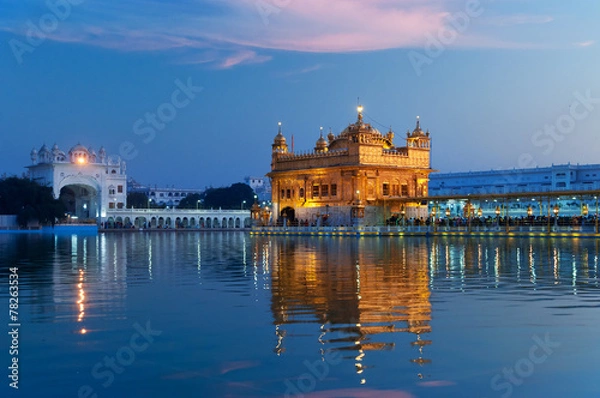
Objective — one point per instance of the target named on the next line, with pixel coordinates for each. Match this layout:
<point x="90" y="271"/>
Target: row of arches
<point x="177" y="222"/>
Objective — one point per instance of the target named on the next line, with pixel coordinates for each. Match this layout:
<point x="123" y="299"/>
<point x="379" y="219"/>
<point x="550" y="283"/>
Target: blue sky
<point x="500" y="84"/>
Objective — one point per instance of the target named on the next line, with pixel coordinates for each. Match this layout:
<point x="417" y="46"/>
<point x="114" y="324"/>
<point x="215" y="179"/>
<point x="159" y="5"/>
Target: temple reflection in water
<point x="362" y="292"/>
<point x="359" y="291"/>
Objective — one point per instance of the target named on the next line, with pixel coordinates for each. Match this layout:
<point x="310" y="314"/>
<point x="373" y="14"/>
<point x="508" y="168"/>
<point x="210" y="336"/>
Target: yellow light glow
<point x="359" y="108"/>
<point x="83" y="331"/>
<point x="80" y="160"/>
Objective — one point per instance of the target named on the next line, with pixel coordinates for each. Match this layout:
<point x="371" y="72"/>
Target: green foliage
<point x="229" y="198"/>
<point x="137" y="199"/>
<point x="191" y="202"/>
<point x="29" y="201"/>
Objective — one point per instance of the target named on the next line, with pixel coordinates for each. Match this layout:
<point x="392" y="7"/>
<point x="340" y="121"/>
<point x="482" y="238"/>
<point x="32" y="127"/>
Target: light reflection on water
<point x="253" y="316"/>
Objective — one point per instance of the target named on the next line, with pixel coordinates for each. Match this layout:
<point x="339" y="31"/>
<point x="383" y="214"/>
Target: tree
<point x="137" y="199"/>
<point x="29" y="201"/>
<point x="193" y="201"/>
<point x="231" y="197"/>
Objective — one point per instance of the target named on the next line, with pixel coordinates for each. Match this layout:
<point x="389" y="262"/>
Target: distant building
<point x="454" y="189"/>
<point x="167" y="196"/>
<point x="564" y="177"/>
<point x="357" y="177"/>
<point x="89" y="183"/>
<point x="261" y="187"/>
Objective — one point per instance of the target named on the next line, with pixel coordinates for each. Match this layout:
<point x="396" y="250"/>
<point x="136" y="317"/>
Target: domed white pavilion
<point x="90" y="183"/>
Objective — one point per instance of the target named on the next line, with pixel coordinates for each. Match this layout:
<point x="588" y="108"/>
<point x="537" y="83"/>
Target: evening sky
<point x="500" y="84"/>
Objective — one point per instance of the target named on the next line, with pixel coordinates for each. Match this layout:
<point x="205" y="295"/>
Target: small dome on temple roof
<point x="330" y="136"/>
<point x="79" y="148"/>
<point x="279" y="138"/>
<point x="417" y="132"/>
<point x="321" y="142"/>
<point x="321" y="145"/>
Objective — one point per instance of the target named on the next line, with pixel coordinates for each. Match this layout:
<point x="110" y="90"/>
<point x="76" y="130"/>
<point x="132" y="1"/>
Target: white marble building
<point x="571" y="187"/>
<point x="90" y="183"/>
<point x="261" y="187"/>
<point x="563" y="177"/>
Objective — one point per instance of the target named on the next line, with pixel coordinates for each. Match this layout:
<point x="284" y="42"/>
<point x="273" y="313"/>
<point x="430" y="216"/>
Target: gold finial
<point x="359" y="109"/>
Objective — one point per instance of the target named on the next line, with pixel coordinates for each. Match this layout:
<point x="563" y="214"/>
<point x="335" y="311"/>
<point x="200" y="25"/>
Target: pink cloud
<point x="241" y="31"/>
<point x="330" y="26"/>
<point x="243" y="57"/>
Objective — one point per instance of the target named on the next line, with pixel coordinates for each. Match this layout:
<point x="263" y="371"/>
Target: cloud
<point x="302" y="71"/>
<point x="585" y="43"/>
<point x="243" y="57"/>
<point x="330" y="26"/>
<point x="518" y="19"/>
<point x="228" y="33"/>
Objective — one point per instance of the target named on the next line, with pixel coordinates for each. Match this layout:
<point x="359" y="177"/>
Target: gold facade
<point x="358" y="177"/>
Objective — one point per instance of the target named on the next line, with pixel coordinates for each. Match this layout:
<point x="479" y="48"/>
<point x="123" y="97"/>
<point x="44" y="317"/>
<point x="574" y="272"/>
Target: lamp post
<point x="584" y="213"/>
<point x="267" y="215"/>
<point x="469" y="211"/>
<point x="403" y="212"/>
<point x="197" y="204"/>
<point x="242" y="205"/>
<point x="596" y="227"/>
<point x="433" y="214"/>
<point x="447" y="217"/>
<point x="555" y="211"/>
<point x="497" y="211"/>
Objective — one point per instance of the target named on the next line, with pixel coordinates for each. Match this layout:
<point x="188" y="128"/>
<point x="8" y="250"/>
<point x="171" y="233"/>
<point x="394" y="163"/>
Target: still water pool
<point x="225" y="314"/>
